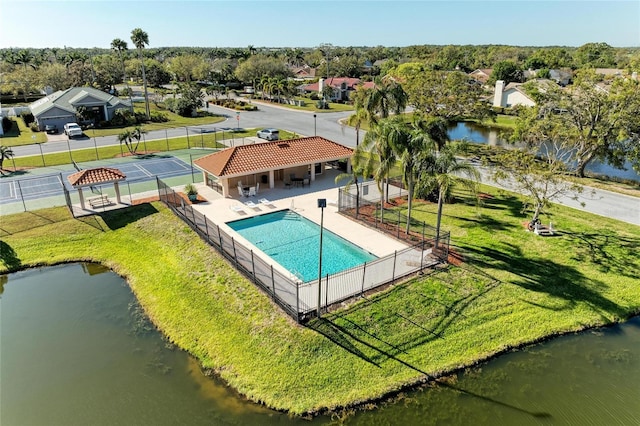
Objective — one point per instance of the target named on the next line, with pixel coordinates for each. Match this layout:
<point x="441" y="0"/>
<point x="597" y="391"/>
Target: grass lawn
<point x="514" y="288"/>
<point x="21" y="135"/>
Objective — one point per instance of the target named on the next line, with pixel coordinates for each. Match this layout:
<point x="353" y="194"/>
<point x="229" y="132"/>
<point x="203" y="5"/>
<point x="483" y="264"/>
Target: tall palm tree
<point x="140" y="39"/>
<point x="119" y="45"/>
<point x="441" y="170"/>
<point x="434" y="127"/>
<point x="408" y="144"/>
<point x="375" y="156"/>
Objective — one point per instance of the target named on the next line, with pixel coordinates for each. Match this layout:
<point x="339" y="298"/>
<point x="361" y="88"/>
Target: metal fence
<point x="363" y="204"/>
<point x="302" y="299"/>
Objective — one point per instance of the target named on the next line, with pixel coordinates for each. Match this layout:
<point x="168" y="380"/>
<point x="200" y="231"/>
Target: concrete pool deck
<point x="303" y="201"/>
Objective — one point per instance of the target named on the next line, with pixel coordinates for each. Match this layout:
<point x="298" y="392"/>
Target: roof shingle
<point x="261" y="157"/>
<point x="95" y="176"/>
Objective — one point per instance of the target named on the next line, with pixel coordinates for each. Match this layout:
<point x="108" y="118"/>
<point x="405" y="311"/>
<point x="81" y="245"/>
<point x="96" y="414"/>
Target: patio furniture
<point x="237" y="208"/>
<point x="297" y="181"/>
<point x="252" y="191"/>
<point x="266" y="202"/>
<point x="241" y="191"/>
<point x="99" y="201"/>
<point x="251" y="205"/>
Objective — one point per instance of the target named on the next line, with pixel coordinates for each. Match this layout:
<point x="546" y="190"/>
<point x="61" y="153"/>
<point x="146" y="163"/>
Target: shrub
<point x="34" y="127"/>
<point x="314" y="96"/>
<point x="27" y="117"/>
<point x="6" y="124"/>
<point x="159" y="117"/>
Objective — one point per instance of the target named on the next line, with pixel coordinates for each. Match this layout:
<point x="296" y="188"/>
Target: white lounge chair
<point x="251" y="205"/>
<point x="237" y="208"/>
<point x="266" y="202"/>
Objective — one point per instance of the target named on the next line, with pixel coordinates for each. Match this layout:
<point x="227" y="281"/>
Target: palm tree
<point x="140" y="39"/>
<point x="5" y="154"/>
<point x="386" y="96"/>
<point x="408" y="144"/>
<point x="434" y="127"/>
<point x="352" y="179"/>
<point x="119" y="45"/>
<point x="129" y="136"/>
<point x="375" y="156"/>
<point x="441" y="170"/>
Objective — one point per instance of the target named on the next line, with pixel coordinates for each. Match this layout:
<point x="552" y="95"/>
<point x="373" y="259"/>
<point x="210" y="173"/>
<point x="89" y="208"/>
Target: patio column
<point x="272" y="182"/>
<point x="81" y="198"/>
<point x="225" y="187"/>
<point x="349" y="165"/>
<point x="117" y="188"/>
<point x="313" y="172"/>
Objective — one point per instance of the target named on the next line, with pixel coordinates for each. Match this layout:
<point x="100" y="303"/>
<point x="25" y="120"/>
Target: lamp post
<point x="314" y="125"/>
<point x="322" y="203"/>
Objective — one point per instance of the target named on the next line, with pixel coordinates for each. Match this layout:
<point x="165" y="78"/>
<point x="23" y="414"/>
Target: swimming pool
<point x="294" y="242"/>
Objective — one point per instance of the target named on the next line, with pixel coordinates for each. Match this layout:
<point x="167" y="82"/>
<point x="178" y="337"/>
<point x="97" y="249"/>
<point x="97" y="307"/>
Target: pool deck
<point x="302" y="200"/>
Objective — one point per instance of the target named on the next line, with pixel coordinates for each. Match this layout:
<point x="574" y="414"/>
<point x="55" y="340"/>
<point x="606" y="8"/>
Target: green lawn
<point x="514" y="288"/>
<point x="21" y="135"/>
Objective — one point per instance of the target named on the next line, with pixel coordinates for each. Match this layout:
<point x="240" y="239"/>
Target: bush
<point x="34" y="127"/>
<point x="27" y="117"/>
<point x="314" y="96"/>
<point x="6" y="124"/>
<point x="159" y="117"/>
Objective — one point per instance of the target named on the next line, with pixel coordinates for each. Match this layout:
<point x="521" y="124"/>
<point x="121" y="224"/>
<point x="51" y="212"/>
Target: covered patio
<point x="286" y="164"/>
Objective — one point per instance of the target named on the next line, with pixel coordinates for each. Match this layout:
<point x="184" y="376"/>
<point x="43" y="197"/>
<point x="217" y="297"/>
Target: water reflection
<point x="476" y="133"/>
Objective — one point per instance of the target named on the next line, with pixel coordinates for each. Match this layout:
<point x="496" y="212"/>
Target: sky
<point x="307" y="23"/>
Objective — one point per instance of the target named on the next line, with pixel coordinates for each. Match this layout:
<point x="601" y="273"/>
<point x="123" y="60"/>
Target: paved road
<point x="604" y="203"/>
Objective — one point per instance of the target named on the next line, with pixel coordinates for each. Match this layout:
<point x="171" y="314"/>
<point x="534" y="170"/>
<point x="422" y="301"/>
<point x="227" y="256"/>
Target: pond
<point x="76" y="349"/>
<point x="477" y="133"/>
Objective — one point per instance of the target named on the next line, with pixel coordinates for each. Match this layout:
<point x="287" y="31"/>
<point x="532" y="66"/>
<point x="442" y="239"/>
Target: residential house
<point x="481" y="75"/>
<point x="510" y="95"/>
<point x="61" y="107"/>
<point x="561" y="76"/>
<point x="342" y="87"/>
<point x="304" y="72"/>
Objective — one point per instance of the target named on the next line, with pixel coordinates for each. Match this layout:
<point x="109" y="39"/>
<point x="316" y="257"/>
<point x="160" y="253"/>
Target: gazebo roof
<point x="266" y="156"/>
<point x="95" y="176"/>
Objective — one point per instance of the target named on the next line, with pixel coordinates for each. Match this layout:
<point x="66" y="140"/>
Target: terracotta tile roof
<point x="264" y="156"/>
<point x="95" y="176"/>
<point x="335" y="82"/>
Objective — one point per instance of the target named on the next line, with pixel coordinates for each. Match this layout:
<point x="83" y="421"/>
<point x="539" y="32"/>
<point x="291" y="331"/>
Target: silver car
<point x="269" y="134"/>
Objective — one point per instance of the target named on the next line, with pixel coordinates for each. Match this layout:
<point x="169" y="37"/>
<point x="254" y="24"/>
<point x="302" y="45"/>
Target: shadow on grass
<point x="8" y="256"/>
<point x="423" y="312"/>
<point x="546" y="276"/>
<point x="609" y="252"/>
<point x="116" y="219"/>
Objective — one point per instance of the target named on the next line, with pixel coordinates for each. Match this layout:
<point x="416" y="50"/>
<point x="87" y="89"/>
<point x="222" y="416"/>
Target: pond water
<point x="476" y="133"/>
<point x="76" y="350"/>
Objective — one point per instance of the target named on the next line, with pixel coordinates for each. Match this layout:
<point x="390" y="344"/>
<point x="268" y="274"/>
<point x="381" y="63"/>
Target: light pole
<point x="322" y="203"/>
<point x="314" y="125"/>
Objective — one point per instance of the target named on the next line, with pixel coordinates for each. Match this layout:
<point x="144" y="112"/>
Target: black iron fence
<point x="297" y="298"/>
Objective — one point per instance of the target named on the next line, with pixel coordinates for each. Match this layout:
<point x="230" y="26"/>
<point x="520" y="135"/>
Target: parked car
<point x="269" y="134"/>
<point x="72" y="129"/>
<point x="51" y="129"/>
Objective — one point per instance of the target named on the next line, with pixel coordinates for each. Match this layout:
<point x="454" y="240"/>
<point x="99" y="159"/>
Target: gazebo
<point x="96" y="176"/>
<point x="271" y="161"/>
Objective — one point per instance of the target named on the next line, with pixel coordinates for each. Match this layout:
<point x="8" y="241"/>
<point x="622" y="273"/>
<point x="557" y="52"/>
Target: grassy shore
<point x="514" y="288"/>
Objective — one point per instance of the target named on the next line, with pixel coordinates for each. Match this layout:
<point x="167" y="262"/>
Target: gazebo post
<point x="81" y="198"/>
<point x="117" y="188"/>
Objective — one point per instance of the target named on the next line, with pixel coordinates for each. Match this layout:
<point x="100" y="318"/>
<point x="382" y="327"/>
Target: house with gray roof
<point x="61" y="107"/>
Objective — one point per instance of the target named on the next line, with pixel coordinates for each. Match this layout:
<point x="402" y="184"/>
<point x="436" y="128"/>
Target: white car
<point x="72" y="129"/>
<point x="269" y="134"/>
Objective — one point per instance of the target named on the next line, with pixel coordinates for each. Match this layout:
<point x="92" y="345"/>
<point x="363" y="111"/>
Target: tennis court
<point x="31" y="188"/>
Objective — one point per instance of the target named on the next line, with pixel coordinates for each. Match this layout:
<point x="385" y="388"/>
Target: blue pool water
<point x="294" y="242"/>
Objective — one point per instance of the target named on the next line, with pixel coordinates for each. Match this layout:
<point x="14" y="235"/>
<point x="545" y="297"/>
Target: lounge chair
<point x="251" y="205"/>
<point x="237" y="208"/>
<point x="266" y="202"/>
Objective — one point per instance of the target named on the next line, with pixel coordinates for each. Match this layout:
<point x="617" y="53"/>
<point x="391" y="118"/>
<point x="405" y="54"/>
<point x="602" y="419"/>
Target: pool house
<point x="282" y="163"/>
